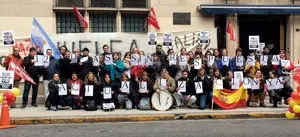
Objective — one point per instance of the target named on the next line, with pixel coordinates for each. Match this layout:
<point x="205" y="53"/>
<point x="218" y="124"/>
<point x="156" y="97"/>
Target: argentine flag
<point x="40" y="38"/>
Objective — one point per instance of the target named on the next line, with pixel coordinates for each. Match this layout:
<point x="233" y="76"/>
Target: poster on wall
<point x="8" y="38"/>
<point x="6" y="80"/>
<point x="152" y="38"/>
<point x="204" y="37"/>
<point x="168" y="38"/>
<point x="253" y="42"/>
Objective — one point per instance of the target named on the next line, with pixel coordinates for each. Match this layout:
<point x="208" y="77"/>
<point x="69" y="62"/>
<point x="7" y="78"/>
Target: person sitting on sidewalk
<point x="125" y="97"/>
<point x="91" y="98"/>
<point x="75" y="89"/>
<point x="145" y="93"/>
<point x="187" y="97"/>
<point x="108" y="86"/>
<point x="53" y="97"/>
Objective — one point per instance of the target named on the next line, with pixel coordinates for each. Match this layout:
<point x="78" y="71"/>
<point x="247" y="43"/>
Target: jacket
<point x="207" y="84"/>
<point x="86" y="67"/>
<point x="170" y="83"/>
<point x="29" y="67"/>
<point x="234" y="67"/>
<point x="71" y="82"/>
<point x="17" y="60"/>
<point x="251" y="71"/>
<point x="115" y="71"/>
<point x="64" y="68"/>
<point x="51" y="69"/>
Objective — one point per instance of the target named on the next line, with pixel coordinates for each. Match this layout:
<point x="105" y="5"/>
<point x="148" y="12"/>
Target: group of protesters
<point x="77" y="73"/>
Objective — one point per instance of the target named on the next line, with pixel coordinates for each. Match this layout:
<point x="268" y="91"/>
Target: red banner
<point x="20" y="72"/>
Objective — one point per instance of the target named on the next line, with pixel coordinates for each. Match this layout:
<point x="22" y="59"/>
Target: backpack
<point x="145" y="104"/>
<point x="90" y="105"/>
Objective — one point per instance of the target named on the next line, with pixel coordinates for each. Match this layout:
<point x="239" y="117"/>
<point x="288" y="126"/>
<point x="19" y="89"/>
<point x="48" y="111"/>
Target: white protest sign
<point x="84" y="59"/>
<point x="239" y="61"/>
<point x="225" y="61"/>
<point x="219" y="84"/>
<point x="163" y="84"/>
<point x="181" y="86"/>
<point x="238" y="75"/>
<point x="253" y="42"/>
<point x="74" y="58"/>
<point x="107" y="93"/>
<point x="8" y="38"/>
<point x="142" y="61"/>
<point x="204" y="37"/>
<point x="62" y="89"/>
<point x="198" y="87"/>
<point x="276" y="60"/>
<point x="143" y="87"/>
<point x="172" y="59"/>
<point x="125" y="87"/>
<point x="89" y="90"/>
<point x="271" y="84"/>
<point x="149" y="60"/>
<point x="46" y="61"/>
<point x="96" y="61"/>
<point x="247" y="82"/>
<point x="108" y="106"/>
<point x="264" y="60"/>
<point x="255" y="84"/>
<point x="197" y="63"/>
<point x="279" y="83"/>
<point x="182" y="60"/>
<point x="211" y="60"/>
<point x="134" y="59"/>
<point x="6" y="80"/>
<point x="168" y="39"/>
<point x="235" y="83"/>
<point x="39" y="60"/>
<point x="251" y="60"/>
<point x="152" y="38"/>
<point x="108" y="59"/>
<point x="260" y="49"/>
<point x="285" y="63"/>
<point x="75" y="89"/>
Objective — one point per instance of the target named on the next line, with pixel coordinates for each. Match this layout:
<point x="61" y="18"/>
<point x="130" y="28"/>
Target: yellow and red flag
<point x="231" y="99"/>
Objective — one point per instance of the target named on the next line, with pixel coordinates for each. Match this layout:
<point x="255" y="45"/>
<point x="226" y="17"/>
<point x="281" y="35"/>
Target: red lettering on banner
<point x="24" y="46"/>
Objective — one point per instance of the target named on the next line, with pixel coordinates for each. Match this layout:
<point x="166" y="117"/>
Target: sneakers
<point x="54" y="108"/>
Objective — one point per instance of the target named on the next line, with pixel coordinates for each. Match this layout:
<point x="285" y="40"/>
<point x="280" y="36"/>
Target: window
<point x="69" y="3"/>
<point x="135" y="3"/>
<point x="182" y="18"/>
<point x="66" y="23"/>
<point x="134" y="22"/>
<point x="103" y="3"/>
<point x="102" y="22"/>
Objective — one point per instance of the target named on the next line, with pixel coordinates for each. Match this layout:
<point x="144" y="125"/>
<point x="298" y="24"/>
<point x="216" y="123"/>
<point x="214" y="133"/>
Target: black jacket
<point x="86" y="67"/>
<point x="29" y="67"/>
<point x="65" y="68"/>
<point x="51" y="69"/>
<point x="207" y="83"/>
<point x="189" y="86"/>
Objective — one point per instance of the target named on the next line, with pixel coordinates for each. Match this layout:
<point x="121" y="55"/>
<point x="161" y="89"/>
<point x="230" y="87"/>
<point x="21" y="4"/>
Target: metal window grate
<point x="66" y="23"/>
<point x="69" y="3"/>
<point x="103" y="3"/>
<point x="102" y="22"/>
<point x="134" y="22"/>
<point x="135" y="3"/>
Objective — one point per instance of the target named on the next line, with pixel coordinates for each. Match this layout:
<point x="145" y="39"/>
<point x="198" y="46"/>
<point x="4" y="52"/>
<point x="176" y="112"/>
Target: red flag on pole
<point x="80" y="20"/>
<point x="20" y="72"/>
<point x="231" y="32"/>
<point x="152" y="19"/>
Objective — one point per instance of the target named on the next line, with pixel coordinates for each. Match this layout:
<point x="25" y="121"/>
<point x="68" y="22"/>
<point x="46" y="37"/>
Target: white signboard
<point x="239" y="61"/>
<point x="198" y="87"/>
<point x="163" y="84"/>
<point x="182" y="60"/>
<point x="251" y="60"/>
<point x="6" y="80"/>
<point x="8" y="38"/>
<point x="197" y="63"/>
<point x="225" y="61"/>
<point x="172" y="59"/>
<point x="260" y="49"/>
<point x="134" y="59"/>
<point x="62" y="89"/>
<point x="107" y="93"/>
<point x="238" y="75"/>
<point x="152" y="38"/>
<point x="143" y="87"/>
<point x="181" y="86"/>
<point x="108" y="59"/>
<point x="168" y="39"/>
<point x="149" y="60"/>
<point x="264" y="60"/>
<point x="204" y="37"/>
<point x="89" y="91"/>
<point x="219" y="84"/>
<point x="96" y="61"/>
<point x="276" y="60"/>
<point x="125" y="87"/>
<point x="253" y="42"/>
<point x="75" y="89"/>
<point x="39" y="60"/>
<point x="74" y="58"/>
<point x="247" y="82"/>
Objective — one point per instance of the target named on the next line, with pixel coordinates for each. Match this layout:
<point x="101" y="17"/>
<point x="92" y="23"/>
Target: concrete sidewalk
<point x="41" y="115"/>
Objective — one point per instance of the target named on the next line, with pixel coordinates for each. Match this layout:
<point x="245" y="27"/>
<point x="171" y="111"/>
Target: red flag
<point x="231" y="32"/>
<point x="80" y="20"/>
<point x="20" y="72"/>
<point x="152" y="19"/>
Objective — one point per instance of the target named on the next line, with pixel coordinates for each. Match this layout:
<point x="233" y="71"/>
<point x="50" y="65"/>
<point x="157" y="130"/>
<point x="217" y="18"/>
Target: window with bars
<point x="134" y="22"/>
<point x="103" y="3"/>
<point x="66" y="23"/>
<point x="69" y="3"/>
<point x="135" y="3"/>
<point x="102" y="22"/>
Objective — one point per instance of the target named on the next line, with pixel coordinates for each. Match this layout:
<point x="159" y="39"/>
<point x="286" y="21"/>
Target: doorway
<point x="271" y="31"/>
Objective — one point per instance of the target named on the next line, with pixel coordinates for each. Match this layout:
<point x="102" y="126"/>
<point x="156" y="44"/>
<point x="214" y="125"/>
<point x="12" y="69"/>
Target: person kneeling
<point x="75" y="89"/>
<point x="125" y="94"/>
<point x="184" y="84"/>
<point x="203" y="89"/>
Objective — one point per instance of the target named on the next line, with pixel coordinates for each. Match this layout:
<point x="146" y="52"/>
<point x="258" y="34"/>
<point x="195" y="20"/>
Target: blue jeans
<point x="204" y="98"/>
<point x="35" y="89"/>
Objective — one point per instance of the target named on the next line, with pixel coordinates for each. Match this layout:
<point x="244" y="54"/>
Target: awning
<point x="250" y="9"/>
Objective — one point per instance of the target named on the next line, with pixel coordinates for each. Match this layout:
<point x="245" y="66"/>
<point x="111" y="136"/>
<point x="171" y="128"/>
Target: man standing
<point x="49" y="71"/>
<point x="105" y="50"/>
<point x="32" y="70"/>
<point x="17" y="59"/>
<point x="85" y="65"/>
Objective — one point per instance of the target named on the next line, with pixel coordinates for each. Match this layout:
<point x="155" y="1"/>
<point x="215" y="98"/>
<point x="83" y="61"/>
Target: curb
<point x="140" y="118"/>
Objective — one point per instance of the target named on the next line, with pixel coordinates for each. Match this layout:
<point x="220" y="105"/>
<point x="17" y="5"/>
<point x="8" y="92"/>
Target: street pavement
<point x="186" y="128"/>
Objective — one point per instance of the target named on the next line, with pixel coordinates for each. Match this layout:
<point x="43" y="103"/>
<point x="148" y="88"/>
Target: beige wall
<point x="255" y="2"/>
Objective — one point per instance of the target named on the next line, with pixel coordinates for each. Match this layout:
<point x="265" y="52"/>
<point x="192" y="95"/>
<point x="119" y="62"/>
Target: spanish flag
<point x="231" y="99"/>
